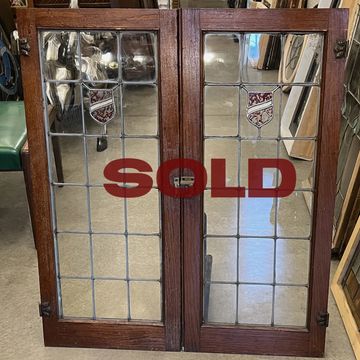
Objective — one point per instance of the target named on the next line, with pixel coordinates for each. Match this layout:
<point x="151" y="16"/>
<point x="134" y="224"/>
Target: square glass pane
<point x="300" y="116"/>
<point x="261" y="58"/>
<point x="109" y="256"/>
<point x="258" y="149"/>
<point x="221" y="215"/>
<point x="111" y="299"/>
<point x="60" y="57"/>
<point x="304" y="169"/>
<point x="71" y="151"/>
<point x="98" y="160"/>
<point x="145" y="299"/>
<point x="256" y="260"/>
<point x="222" y="58"/>
<point x="74" y="254"/>
<point x="143" y="214"/>
<point x="102" y="109"/>
<point x="71" y="208"/>
<point x="221" y="110"/>
<point x="224" y="258"/>
<point x="107" y="211"/>
<point x="227" y="149"/>
<point x="222" y="304"/>
<point x="257" y="216"/>
<point x="99" y="51"/>
<point x="76" y="298"/>
<point x="146" y="150"/>
<point x="141" y="109"/>
<point x="260" y="111"/>
<point x="294" y="217"/>
<point x="290" y="306"/>
<point x="144" y="257"/>
<point x="255" y="304"/>
<point x="138" y="56"/>
<point x="302" y="59"/>
<point x="292" y="261"/>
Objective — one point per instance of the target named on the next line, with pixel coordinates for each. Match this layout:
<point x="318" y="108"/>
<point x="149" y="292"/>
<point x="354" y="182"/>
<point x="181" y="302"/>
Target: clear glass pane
<point x="111" y="299"/>
<point x="145" y="300"/>
<point x="255" y="304"/>
<point x="261" y="58"/>
<point x="294" y="217"/>
<point x="140" y="120"/>
<point x="74" y="254"/>
<point x="60" y="57"/>
<point x="292" y="261"/>
<point x="290" y="306"/>
<point x="68" y="151"/>
<point x="257" y="216"/>
<point x="222" y="304"/>
<point x="222" y="58"/>
<point x="300" y="116"/>
<point x="143" y="213"/>
<point x="138" y="54"/>
<point x="99" y="51"/>
<point x="227" y="149"/>
<point x="256" y="260"/>
<point x="76" y="298"/>
<point x="224" y="253"/>
<point x="71" y="208"/>
<point x="221" y="215"/>
<point x="221" y="109"/>
<point x="109" y="253"/>
<point x="144" y="257"/>
<point x="107" y="211"/>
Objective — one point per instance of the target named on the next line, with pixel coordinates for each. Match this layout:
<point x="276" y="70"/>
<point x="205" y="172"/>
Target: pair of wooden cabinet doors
<point x="180" y="80"/>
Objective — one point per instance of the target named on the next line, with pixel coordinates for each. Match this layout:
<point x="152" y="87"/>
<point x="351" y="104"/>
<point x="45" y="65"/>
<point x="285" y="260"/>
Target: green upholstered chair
<point x="14" y="151"/>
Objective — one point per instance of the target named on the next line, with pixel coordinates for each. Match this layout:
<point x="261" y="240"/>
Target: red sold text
<point x="142" y="182"/>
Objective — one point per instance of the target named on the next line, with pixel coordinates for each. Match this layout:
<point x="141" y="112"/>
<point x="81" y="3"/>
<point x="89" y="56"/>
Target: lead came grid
<point x="237" y="288"/>
<point x="85" y="278"/>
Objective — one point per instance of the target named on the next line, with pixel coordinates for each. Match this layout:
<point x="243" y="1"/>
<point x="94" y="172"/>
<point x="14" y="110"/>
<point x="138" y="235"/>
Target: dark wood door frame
<point x="96" y="333"/>
<point x="237" y="339"/>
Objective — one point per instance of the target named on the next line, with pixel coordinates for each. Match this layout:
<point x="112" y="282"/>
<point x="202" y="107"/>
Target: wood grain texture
<point x="170" y="148"/>
<point x="192" y="148"/>
<point x="325" y="180"/>
<point x="132" y="19"/>
<point x="266" y="20"/>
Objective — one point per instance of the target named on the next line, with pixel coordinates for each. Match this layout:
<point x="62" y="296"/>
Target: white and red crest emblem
<point x="260" y="108"/>
<point x="102" y="105"/>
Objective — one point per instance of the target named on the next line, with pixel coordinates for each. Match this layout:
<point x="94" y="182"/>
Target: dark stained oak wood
<point x="132" y="19"/>
<point x="252" y="340"/>
<point x="170" y="144"/>
<point x="325" y="181"/>
<point x="108" y="334"/>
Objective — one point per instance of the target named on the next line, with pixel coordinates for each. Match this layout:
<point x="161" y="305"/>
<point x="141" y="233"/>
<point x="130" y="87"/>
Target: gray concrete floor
<point x="21" y="330"/>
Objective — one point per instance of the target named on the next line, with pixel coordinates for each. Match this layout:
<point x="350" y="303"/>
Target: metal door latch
<point x="340" y="49"/>
<point x="44" y="310"/>
<point x="184" y="182"/>
<point x="24" y="46"/>
<point x="323" y="319"/>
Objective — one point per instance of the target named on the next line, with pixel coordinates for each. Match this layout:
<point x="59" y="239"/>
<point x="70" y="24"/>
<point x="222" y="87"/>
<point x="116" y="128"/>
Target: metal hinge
<point x="184" y="181"/>
<point x="323" y="319"/>
<point x="340" y="49"/>
<point x="24" y="46"/>
<point x="44" y="310"/>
